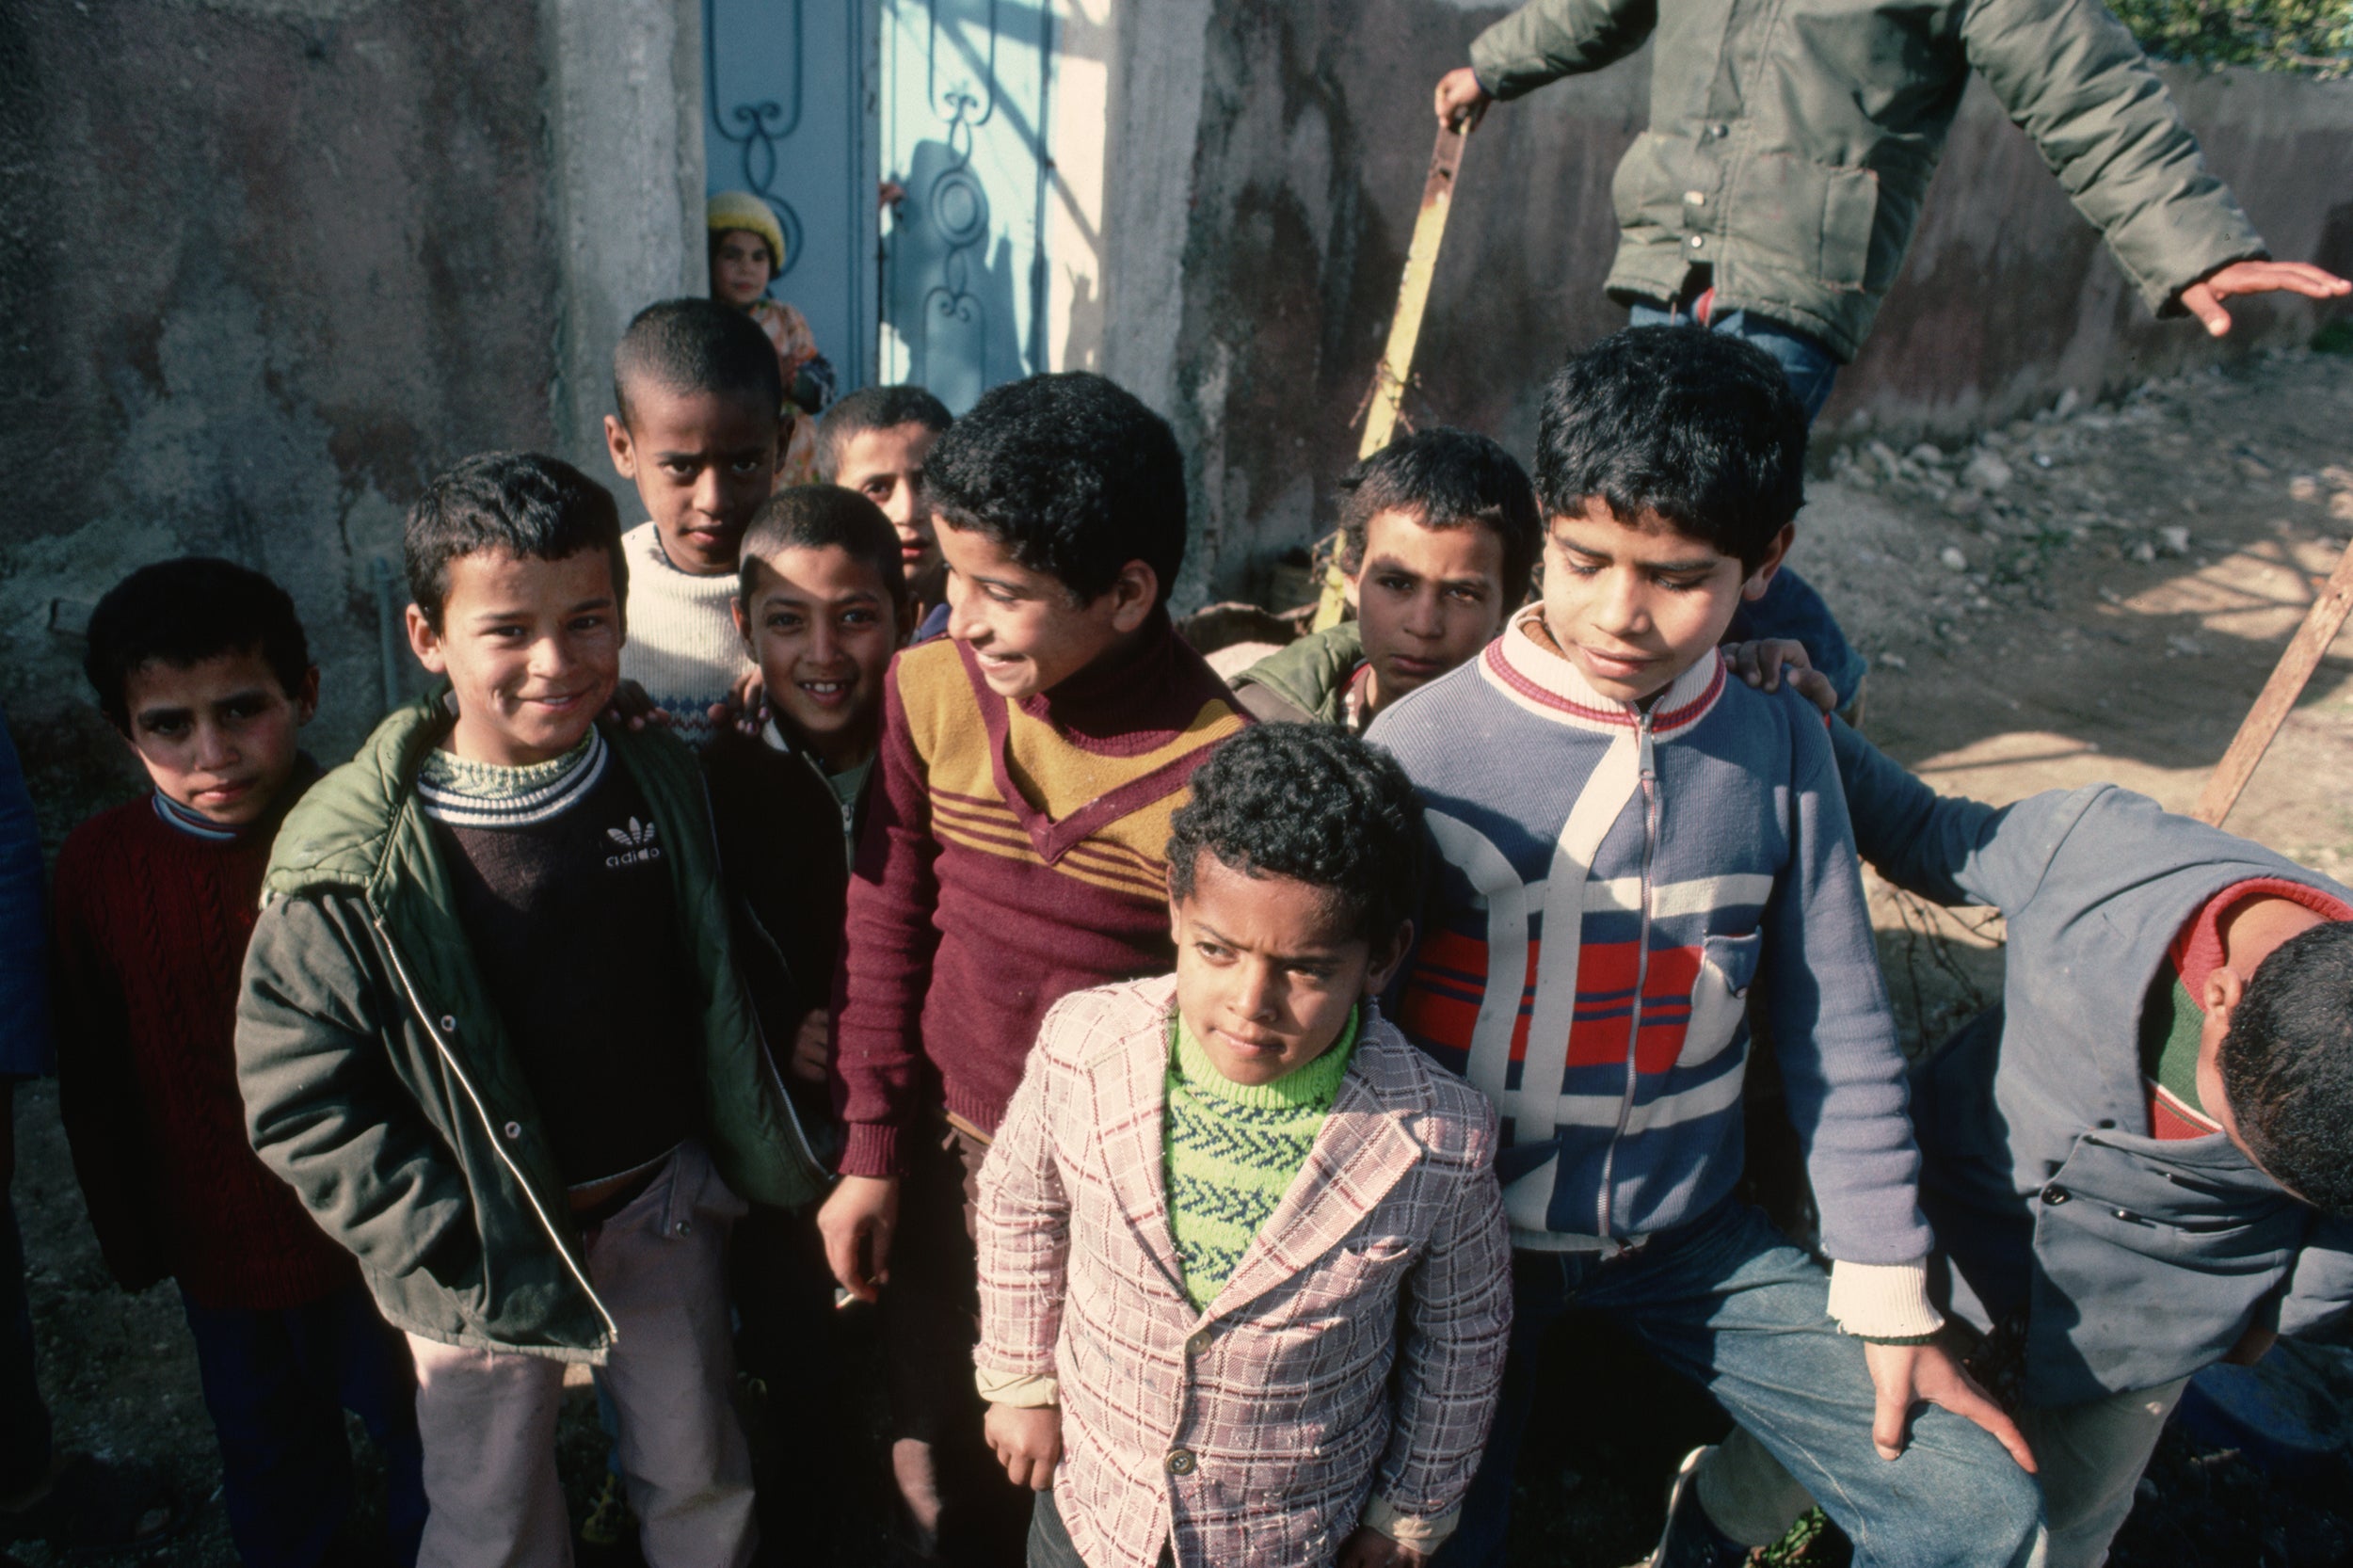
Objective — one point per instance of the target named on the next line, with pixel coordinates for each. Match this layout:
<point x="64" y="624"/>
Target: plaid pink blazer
<point x="1258" y="1430"/>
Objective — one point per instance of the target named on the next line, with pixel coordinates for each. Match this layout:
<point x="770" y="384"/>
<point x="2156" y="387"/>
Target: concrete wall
<point x="267" y="266"/>
<point x="1312" y="138"/>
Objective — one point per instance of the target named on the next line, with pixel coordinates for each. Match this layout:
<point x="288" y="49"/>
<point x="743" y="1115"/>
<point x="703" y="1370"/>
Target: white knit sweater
<point x="682" y="645"/>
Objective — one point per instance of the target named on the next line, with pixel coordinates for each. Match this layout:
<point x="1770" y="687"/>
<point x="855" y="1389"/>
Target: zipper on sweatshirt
<point x="1646" y="760"/>
<point x="612" y="1329"/>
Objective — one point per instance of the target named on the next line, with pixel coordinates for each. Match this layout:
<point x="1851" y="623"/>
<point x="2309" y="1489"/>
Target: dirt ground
<point x="2095" y="594"/>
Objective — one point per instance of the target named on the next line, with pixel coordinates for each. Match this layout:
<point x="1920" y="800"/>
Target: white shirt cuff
<point x="1882" y="1300"/>
<point x="1029" y="1390"/>
<point x="1423" y="1532"/>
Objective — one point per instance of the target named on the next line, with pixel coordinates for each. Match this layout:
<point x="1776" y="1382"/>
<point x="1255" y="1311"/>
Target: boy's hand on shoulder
<point x="857" y="1223"/>
<point x="1765" y="662"/>
<point x="1028" y="1442"/>
<point x="1904" y="1375"/>
<point x="631" y="706"/>
<point x="746" y="707"/>
<point x="811" y="1045"/>
<point x="1370" y="1548"/>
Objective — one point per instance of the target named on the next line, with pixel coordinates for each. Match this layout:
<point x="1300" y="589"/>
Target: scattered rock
<point x="1952" y="557"/>
<point x="2142" y="551"/>
<point x="1963" y="503"/>
<point x="2341" y="506"/>
<point x="2304" y="488"/>
<point x="1987" y="472"/>
<point x="1894" y="662"/>
<point x="2183" y="647"/>
<point x="1927" y="453"/>
<point x="2174" y="541"/>
<point x="2068" y="401"/>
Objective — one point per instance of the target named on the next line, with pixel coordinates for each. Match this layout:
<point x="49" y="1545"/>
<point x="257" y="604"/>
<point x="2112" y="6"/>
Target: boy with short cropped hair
<point x="695" y="390"/>
<point x="1438" y="541"/>
<point x="1629" y="841"/>
<point x="1202" y="1193"/>
<point x="1013" y="850"/>
<point x="203" y="668"/>
<point x="875" y="443"/>
<point x="492" y="1033"/>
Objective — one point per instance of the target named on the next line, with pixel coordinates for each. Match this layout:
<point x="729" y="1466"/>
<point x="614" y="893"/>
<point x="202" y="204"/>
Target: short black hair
<point x="532" y="507"/>
<point x="1446" y="478"/>
<point x="1313" y="803"/>
<point x="697" y="346"/>
<point x="183" y="612"/>
<point x="1072" y="475"/>
<point x="2287" y="1065"/>
<point x="818" y="517"/>
<point x="1698" y="426"/>
<point x="874" y="409"/>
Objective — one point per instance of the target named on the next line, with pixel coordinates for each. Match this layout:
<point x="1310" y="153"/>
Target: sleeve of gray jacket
<point x="1546" y="39"/>
<point x="323" y="1105"/>
<point x="2072" y="78"/>
<point x="1948" y="849"/>
<point x="2319" y="1302"/>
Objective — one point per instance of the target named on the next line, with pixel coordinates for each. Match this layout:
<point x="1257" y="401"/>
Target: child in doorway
<point x="493" y="1034"/>
<point x="747" y="255"/>
<point x="875" y="443"/>
<point x="1014" y="852"/>
<point x="1628" y="842"/>
<point x="695" y="428"/>
<point x="1438" y="540"/>
<point x="203" y="668"/>
<point x="1205" y="1243"/>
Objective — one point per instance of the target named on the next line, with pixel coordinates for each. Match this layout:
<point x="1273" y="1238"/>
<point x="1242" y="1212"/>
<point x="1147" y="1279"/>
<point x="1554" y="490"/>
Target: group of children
<point x="1223" y="1091"/>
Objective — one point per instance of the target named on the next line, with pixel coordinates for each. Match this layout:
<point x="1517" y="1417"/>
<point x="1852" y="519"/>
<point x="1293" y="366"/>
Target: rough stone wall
<point x="1314" y="135"/>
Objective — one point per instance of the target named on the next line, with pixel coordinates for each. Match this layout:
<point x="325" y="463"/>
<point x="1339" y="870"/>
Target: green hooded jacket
<point x="378" y="1082"/>
<point x="1791" y="141"/>
<point x="1307" y="681"/>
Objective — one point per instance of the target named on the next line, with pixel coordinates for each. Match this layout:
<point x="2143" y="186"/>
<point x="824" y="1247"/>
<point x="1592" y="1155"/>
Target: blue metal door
<point x="791" y="118"/>
<point x="963" y="129"/>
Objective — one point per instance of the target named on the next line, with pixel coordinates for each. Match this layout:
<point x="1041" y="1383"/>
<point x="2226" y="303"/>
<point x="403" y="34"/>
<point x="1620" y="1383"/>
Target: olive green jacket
<point x="1791" y="141"/>
<point x="1305" y="681"/>
<point x="379" y="1080"/>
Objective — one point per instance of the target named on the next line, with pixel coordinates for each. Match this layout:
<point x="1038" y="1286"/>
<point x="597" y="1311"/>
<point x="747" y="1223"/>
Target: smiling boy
<point x="1226" y="1204"/>
<point x="1630" y="841"/>
<point x="493" y="1035"/>
<point x="1014" y="852"/>
<point x="1439" y="538"/>
<point x="876" y="442"/>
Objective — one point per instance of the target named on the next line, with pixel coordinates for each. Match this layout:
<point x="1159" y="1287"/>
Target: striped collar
<point x="194" y="823"/>
<point x="1550" y="685"/>
<point x="465" y="793"/>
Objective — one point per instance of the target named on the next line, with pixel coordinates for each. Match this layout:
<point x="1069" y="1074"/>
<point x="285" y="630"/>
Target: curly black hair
<point x="1698" y="426"/>
<point x="1446" y="478"/>
<point x="532" y="507"/>
<point x="2287" y="1065"/>
<point x="1071" y="475"/>
<point x="1313" y="803"/>
<point x="183" y="612"/>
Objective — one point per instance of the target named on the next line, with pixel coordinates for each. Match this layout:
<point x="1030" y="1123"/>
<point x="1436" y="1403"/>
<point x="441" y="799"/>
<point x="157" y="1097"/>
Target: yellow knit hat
<point x="741" y="209"/>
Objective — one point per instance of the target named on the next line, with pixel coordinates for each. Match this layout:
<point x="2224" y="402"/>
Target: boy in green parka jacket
<point x="492" y="1034"/>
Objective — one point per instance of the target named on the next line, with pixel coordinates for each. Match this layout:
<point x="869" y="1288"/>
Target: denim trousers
<point x="1727" y="1302"/>
<point x="1791" y="607"/>
<point x="277" y="1385"/>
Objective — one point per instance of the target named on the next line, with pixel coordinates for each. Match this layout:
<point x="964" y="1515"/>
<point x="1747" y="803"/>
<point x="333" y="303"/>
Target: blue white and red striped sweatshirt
<point x="1610" y="875"/>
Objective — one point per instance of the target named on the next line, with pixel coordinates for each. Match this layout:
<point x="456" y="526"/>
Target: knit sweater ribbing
<point x="682" y="645"/>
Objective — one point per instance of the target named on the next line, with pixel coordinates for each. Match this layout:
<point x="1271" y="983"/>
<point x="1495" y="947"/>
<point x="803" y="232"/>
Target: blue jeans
<point x="1728" y="1303"/>
<point x="277" y="1385"/>
<point x="1791" y="607"/>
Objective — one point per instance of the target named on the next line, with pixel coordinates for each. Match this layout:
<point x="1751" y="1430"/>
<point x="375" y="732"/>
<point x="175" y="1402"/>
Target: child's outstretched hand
<point x="1905" y="1375"/>
<point x="1765" y="663"/>
<point x="1027" y="1440"/>
<point x="1370" y="1548"/>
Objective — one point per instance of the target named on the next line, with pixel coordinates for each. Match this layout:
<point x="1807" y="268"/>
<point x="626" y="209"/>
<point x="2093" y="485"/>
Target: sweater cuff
<point x="1883" y="1301"/>
<point x="1423" y="1532"/>
<point x="872" y="1149"/>
<point x="1027" y="1390"/>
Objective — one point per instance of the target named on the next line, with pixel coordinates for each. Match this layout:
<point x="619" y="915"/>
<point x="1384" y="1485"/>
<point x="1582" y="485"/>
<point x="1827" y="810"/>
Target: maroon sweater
<point x="152" y="930"/>
<point x="1012" y="853"/>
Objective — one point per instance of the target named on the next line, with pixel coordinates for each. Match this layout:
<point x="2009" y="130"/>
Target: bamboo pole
<point x="2278" y="698"/>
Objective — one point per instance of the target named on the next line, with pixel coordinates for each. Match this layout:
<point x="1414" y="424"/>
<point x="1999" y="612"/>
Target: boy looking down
<point x="1014" y="852"/>
<point x="1324" y="1211"/>
<point x="492" y="1034"/>
<point x="1438" y="538"/>
<point x="876" y="442"/>
<point x="1628" y="842"/>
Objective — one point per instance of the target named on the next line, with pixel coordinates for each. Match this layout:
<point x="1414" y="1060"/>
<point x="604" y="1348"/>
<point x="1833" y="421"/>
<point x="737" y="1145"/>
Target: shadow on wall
<point x="948" y="291"/>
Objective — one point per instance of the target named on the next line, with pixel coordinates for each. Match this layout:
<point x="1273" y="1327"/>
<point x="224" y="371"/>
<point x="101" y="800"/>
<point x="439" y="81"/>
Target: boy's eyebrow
<point x="1696" y="562"/>
<point x="153" y="716"/>
<point x="1323" y="955"/>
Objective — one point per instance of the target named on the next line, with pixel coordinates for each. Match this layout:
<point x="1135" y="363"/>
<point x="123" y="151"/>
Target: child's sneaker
<point x="1690" y="1538"/>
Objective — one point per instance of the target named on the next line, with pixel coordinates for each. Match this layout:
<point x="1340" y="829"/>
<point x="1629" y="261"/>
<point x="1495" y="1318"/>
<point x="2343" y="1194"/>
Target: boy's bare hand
<point x="1370" y="1548"/>
<point x="748" y="705"/>
<point x="810" y="1045"/>
<point x="1460" y="100"/>
<point x="2205" y="300"/>
<point x="857" y="1222"/>
<point x="1769" y="659"/>
<point x="1904" y="1375"/>
<point x="1028" y="1441"/>
<point x="633" y="707"/>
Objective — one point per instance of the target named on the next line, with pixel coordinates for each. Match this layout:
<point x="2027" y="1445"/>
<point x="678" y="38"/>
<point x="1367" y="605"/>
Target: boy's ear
<point x="2223" y="991"/>
<point x="743" y="621"/>
<point x="425" y="642"/>
<point x="1134" y="591"/>
<point x="306" y="697"/>
<point x="1386" y="957"/>
<point x="617" y="443"/>
<point x="1776" y="553"/>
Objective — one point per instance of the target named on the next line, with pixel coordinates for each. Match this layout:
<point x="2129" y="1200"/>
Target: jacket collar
<point x="1546" y="683"/>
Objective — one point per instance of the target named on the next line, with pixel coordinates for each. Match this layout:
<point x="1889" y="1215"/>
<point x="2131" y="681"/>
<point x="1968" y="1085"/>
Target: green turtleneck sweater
<point x="1233" y="1150"/>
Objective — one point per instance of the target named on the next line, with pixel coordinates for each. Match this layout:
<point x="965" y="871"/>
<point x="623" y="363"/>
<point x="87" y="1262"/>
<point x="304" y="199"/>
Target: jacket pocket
<point x="1811" y="218"/>
<point x="1719" y="997"/>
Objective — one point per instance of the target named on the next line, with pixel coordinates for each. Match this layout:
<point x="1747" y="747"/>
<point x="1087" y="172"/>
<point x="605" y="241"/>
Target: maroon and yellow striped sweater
<point x="1012" y="853"/>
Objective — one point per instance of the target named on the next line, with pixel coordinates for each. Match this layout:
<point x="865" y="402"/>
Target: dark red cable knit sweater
<point x="152" y="930"/>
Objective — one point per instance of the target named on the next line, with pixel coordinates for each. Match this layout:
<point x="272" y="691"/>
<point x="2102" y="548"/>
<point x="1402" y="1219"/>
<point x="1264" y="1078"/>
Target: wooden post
<point x="2278" y="698"/>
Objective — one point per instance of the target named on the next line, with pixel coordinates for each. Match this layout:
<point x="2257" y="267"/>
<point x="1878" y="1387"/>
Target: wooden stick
<point x="1395" y="371"/>
<point x="2278" y="698"/>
